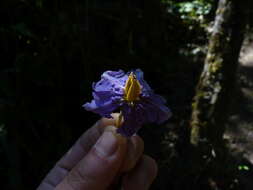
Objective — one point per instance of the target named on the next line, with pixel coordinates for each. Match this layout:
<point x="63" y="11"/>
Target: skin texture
<point x="102" y="159"/>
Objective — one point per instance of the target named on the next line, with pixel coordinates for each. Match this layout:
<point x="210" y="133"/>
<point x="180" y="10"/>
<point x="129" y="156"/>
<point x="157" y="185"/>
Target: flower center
<point x="132" y="88"/>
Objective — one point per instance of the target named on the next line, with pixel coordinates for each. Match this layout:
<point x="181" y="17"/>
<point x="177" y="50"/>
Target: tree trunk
<point x="215" y="87"/>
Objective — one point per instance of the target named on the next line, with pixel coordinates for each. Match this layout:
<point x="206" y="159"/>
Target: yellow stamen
<point x="132" y="88"/>
<point x="119" y="120"/>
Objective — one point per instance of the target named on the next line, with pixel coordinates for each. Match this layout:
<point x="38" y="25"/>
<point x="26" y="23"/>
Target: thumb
<point x="100" y="166"/>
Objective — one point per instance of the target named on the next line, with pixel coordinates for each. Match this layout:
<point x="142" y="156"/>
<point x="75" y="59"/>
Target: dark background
<point x="52" y="51"/>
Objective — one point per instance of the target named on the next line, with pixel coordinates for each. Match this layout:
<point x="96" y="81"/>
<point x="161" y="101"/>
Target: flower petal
<point x="148" y="110"/>
<point x="145" y="87"/>
<point x="107" y="93"/>
<point x="111" y="81"/>
<point x="132" y="120"/>
<point x="155" y="109"/>
<point x="104" y="109"/>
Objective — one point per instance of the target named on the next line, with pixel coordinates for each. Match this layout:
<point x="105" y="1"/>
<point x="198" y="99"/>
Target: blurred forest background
<point x="52" y="51"/>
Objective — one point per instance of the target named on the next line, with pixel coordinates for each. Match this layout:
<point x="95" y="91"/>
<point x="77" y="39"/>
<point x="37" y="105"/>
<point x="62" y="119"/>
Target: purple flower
<point x="131" y="94"/>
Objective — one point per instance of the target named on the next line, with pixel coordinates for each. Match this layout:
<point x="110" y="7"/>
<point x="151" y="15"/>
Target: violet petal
<point x="107" y="93"/>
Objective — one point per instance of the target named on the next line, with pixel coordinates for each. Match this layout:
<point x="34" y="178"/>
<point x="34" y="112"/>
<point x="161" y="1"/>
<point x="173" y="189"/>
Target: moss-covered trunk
<point x="215" y="87"/>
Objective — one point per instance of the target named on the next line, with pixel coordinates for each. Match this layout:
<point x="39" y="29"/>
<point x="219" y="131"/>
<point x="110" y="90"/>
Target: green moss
<point x="216" y="65"/>
<point x="194" y="134"/>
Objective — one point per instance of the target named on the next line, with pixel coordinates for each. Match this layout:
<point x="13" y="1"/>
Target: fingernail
<point x="107" y="144"/>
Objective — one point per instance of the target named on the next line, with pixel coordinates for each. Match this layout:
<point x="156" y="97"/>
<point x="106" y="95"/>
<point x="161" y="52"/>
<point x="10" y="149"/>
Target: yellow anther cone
<point x="132" y="88"/>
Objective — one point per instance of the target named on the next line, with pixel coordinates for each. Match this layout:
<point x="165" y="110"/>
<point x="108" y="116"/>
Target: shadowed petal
<point x="145" y="87"/>
<point x="156" y="109"/>
<point x="132" y="120"/>
<point x="148" y="110"/>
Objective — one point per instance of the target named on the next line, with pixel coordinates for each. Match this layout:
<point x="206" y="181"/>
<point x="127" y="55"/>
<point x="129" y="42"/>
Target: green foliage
<point x="191" y="12"/>
<point x="194" y="10"/>
<point x="243" y="168"/>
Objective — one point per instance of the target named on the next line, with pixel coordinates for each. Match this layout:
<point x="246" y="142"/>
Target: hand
<point x="99" y="158"/>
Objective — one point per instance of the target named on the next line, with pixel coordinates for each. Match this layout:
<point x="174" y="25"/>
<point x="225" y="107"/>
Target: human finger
<point x="135" y="149"/>
<point x="76" y="153"/>
<point x="142" y="176"/>
<point x="99" y="167"/>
